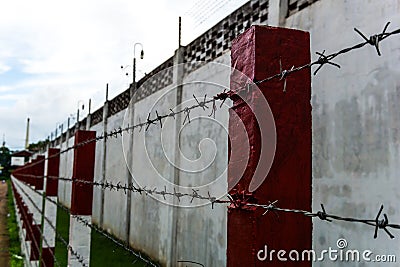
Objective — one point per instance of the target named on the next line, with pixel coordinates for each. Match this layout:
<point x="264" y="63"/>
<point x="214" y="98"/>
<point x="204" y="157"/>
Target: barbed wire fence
<point x="210" y="104"/>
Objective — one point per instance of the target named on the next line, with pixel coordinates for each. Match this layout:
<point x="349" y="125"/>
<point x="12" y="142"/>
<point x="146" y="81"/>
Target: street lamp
<point x="134" y="62"/>
<point x="61" y="127"/>
<point x="77" y="113"/>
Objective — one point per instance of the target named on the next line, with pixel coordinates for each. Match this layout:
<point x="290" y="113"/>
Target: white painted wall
<point x="66" y="169"/>
<point x="115" y="202"/>
<point x="356" y="147"/>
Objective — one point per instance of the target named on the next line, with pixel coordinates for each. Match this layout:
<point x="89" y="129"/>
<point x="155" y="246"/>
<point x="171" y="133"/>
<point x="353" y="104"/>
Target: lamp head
<point x="141" y="54"/>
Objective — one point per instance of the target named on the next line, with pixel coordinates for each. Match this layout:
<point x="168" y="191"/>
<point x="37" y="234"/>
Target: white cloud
<point x="4" y="68"/>
<point x="4" y="89"/>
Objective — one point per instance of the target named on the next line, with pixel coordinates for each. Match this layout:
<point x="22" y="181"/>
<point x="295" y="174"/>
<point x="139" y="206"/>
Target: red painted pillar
<point x="26" y="172"/>
<point x="257" y="53"/>
<point x="82" y="196"/>
<point x="83" y="169"/>
<point x="50" y="209"/>
<point x="38" y="172"/>
<point x="53" y="171"/>
<point x="35" y="247"/>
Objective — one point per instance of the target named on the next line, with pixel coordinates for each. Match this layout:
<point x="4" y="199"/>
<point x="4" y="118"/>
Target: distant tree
<point x="5" y="159"/>
<point x="38" y="146"/>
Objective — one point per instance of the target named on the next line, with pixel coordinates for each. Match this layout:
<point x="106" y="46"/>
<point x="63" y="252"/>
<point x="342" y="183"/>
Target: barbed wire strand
<point x="65" y="243"/>
<point x="376" y="222"/>
<point x="125" y="187"/>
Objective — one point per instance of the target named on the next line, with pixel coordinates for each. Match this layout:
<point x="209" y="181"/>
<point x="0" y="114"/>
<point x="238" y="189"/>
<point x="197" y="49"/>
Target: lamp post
<point x="77" y="112"/>
<point x="61" y="127"/>
<point x="134" y="62"/>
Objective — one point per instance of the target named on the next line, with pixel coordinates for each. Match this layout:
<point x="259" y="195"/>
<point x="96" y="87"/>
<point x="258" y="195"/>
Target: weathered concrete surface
<point x="356" y="119"/>
<point x="114" y="218"/>
<point x="66" y="164"/>
<point x="203" y="161"/>
<point x="98" y="174"/>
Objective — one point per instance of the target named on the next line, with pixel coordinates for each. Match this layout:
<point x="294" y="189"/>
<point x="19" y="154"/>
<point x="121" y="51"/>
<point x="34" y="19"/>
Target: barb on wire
<point x="172" y="114"/>
<point x="284" y="74"/>
<point x="213" y="109"/>
<point x="374" y="39"/>
<point x="149" y="122"/>
<point x="159" y="118"/>
<point x="201" y="104"/>
<point x="377" y="223"/>
<point x="322" y="60"/>
<point x="187" y="116"/>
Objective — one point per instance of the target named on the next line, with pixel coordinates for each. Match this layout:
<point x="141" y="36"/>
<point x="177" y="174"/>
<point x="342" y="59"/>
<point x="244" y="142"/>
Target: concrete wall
<point x="356" y="138"/>
<point x="157" y="228"/>
<point x="66" y="168"/>
<point x="356" y="146"/>
<point x="98" y="174"/>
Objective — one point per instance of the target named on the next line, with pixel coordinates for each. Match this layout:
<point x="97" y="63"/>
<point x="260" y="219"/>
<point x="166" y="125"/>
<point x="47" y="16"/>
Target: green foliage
<point x="14" y="242"/>
<point x="38" y="146"/>
<point x="5" y="159"/>
<point x="62" y="227"/>
<point x="104" y="252"/>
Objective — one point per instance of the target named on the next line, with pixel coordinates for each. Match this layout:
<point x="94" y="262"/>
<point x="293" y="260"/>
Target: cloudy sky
<point x="55" y="55"/>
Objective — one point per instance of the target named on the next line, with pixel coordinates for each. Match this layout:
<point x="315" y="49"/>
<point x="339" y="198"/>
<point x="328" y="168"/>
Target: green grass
<point x="14" y="242"/>
<point x="103" y="251"/>
<point x="62" y="227"/>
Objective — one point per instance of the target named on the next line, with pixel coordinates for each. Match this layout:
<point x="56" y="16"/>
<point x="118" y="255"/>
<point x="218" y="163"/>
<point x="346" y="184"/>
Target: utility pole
<point x="180" y="32"/>
<point x="27" y="134"/>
